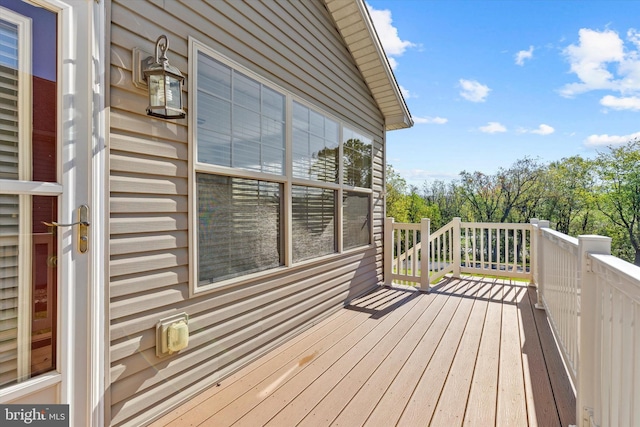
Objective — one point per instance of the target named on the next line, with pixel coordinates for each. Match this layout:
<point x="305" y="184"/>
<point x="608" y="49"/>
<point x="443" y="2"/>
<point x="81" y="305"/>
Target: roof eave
<point x="352" y="15"/>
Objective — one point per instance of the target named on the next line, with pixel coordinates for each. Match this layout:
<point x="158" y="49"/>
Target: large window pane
<point x="238" y="118"/>
<point x="315" y="145"/>
<point x="239" y="227"/>
<point x="213" y="77"/>
<point x="246" y="92"/>
<point x="314" y="214"/>
<point x="357" y="151"/>
<point x="356" y="216"/>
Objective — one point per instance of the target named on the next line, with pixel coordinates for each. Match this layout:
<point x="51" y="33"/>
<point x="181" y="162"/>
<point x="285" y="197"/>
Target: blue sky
<point x="490" y="82"/>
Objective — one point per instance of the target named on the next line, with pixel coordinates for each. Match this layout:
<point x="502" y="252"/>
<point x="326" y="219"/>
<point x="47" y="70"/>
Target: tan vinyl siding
<point x="294" y="45"/>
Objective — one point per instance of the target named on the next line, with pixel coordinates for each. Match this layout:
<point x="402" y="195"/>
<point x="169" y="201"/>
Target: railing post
<point x="425" y="231"/>
<point x="388" y="251"/>
<point x="456" y="256"/>
<point x="540" y="263"/>
<point x="589" y="351"/>
<point x="534" y="252"/>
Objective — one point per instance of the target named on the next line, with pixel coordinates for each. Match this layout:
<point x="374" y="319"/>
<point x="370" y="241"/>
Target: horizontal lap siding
<point x="294" y="45"/>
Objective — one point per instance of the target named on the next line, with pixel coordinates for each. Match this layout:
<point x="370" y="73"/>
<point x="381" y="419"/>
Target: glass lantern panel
<point x="156" y="90"/>
<point x="173" y="93"/>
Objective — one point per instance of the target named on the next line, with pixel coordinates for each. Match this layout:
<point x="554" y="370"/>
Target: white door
<point x="47" y="135"/>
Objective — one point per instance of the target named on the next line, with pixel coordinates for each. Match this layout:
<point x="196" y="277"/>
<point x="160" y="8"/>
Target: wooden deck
<point x="472" y="352"/>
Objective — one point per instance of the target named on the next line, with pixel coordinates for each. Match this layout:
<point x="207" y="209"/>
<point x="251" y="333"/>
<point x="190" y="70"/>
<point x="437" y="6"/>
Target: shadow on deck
<point x="473" y="351"/>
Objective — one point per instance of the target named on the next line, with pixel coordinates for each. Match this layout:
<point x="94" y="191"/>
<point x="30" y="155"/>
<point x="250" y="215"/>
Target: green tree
<point x="569" y="198"/>
<point x="447" y="198"/>
<point x="512" y="194"/>
<point x="396" y="199"/>
<point x="418" y="208"/>
<point x="619" y="190"/>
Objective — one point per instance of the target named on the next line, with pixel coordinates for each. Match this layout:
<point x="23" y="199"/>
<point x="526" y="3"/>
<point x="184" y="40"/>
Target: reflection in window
<point x="357" y="151"/>
<point x="315" y="145"/>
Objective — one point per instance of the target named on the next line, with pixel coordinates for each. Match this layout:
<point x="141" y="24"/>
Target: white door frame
<point x="82" y="136"/>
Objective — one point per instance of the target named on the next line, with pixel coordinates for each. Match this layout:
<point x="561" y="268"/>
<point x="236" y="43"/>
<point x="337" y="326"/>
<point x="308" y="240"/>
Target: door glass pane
<point x="28" y="272"/>
<point x="28" y="152"/>
<point x="28" y="70"/>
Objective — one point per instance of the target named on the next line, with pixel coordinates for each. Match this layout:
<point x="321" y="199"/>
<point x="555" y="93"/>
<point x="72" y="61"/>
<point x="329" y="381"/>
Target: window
<point x="356" y="219"/>
<point x="231" y="213"/>
<point x="269" y="169"/>
<point x="315" y="145"/>
<point x="357" y="159"/>
<point x="314" y="216"/>
<point x="240" y="121"/>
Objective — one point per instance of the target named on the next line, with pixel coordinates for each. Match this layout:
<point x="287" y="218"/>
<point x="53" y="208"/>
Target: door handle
<point x="83" y="228"/>
<point x="56" y="224"/>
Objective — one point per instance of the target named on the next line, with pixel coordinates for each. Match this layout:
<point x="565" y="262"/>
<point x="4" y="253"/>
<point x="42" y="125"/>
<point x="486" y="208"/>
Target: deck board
<point x="356" y="411"/>
<point x="482" y="400"/>
<point x="451" y="407"/>
<point x="421" y="405"/>
<point x="540" y="400"/>
<point x="511" y="410"/>
<point x="471" y="352"/>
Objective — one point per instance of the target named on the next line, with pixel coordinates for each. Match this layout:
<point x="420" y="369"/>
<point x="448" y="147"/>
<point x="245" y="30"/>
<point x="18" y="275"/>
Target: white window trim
<point x="286" y="179"/>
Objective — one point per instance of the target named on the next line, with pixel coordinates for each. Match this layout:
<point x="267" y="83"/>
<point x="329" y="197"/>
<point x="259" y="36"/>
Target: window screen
<point x="357" y="228"/>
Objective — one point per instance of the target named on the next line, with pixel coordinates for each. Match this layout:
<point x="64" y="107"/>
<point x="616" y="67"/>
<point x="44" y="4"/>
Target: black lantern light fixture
<point x="165" y="85"/>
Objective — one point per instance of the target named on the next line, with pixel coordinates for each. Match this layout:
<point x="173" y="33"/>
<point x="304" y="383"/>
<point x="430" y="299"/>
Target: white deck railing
<point x="496" y="249"/>
<point x="609" y="367"/>
<point x="592" y="299"/>
<point x="557" y="274"/>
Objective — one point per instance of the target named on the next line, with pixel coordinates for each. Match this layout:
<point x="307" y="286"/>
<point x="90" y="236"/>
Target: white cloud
<point x="493" y="127"/>
<point x="388" y="34"/>
<point x="524" y="54"/>
<point x="606" y="140"/>
<point x="430" y="120"/>
<point x="543" y="130"/>
<point x="419" y="176"/>
<point x="622" y="103"/>
<point x="405" y="92"/>
<point x="634" y="36"/>
<point x="473" y="90"/>
<point x="602" y="62"/>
